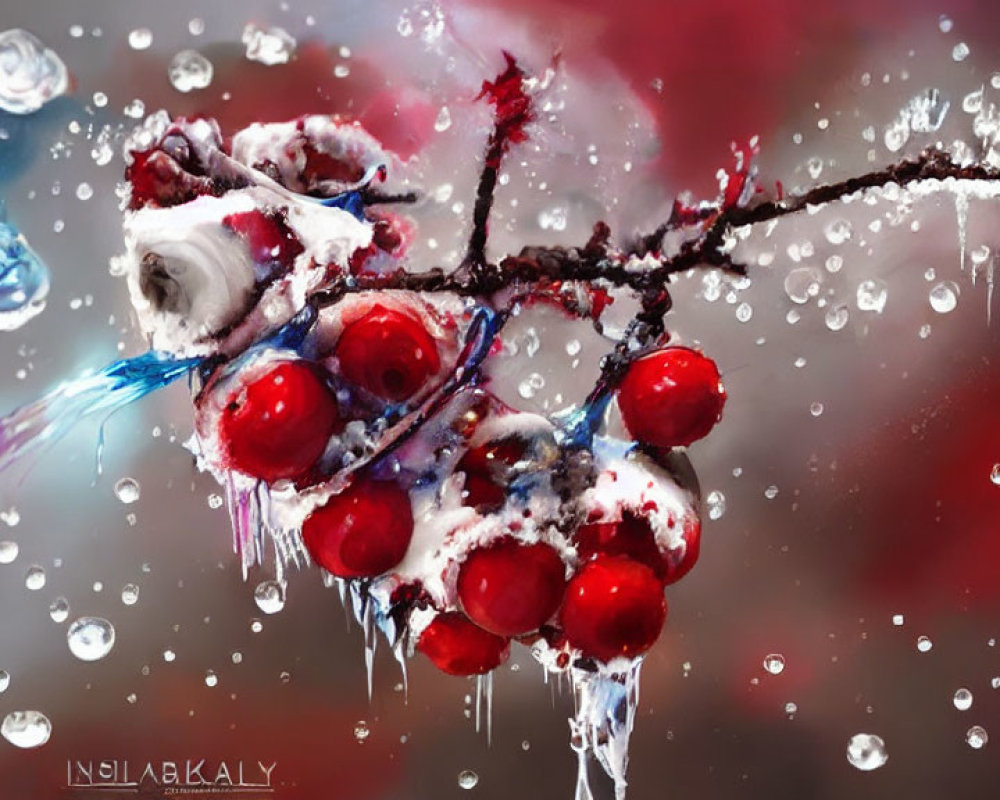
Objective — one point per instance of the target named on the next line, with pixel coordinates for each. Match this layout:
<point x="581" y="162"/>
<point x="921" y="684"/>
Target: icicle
<point x="244" y="514"/>
<point x="399" y="652"/>
<point x="962" y="215"/>
<point x="578" y="743"/>
<point x="371" y="641"/>
<point x="488" y="687"/>
<point x="989" y="291"/>
<point x="605" y="714"/>
<point x="479" y="700"/>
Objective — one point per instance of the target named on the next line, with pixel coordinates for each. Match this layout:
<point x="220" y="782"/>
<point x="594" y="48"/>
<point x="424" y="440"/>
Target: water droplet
<point x="834" y="263"/>
<point x="995" y="475"/>
<point x="925" y="331"/>
<point x="960" y="51"/>
<point x="256" y="626"/>
<point x="837" y="317"/>
<point x="866" y="751"/>
<point x="361" y="731"/>
<point x="169" y="655"/>
<point x="716" y="502"/>
<point x="803" y="283"/>
<point x="196" y="26"/>
<point x="816" y="409"/>
<point x="774" y="663"/>
<point x="552" y="219"/>
<point x="924" y="644"/>
<point x="237" y="657"/>
<point x="962" y="699"/>
<point x="30" y="73"/>
<point x="130" y="594"/>
<point x="135" y="109"/>
<point x="872" y="295"/>
<point x="269" y="596"/>
<point x="838" y="231"/>
<point x="9" y="551"/>
<point x="90" y="638"/>
<point x="34" y="578"/>
<point x="791" y="709"/>
<point x="443" y="120"/>
<point x="26" y="729"/>
<point x="59" y="610"/>
<point x="467" y="779"/>
<point x="211" y="679"/>
<point x="744" y="311"/>
<point x="945" y="23"/>
<point x="4" y="680"/>
<point x="771" y="492"/>
<point x="995" y="682"/>
<point x="927" y="111"/>
<point x="943" y="297"/>
<point x="127" y="490"/>
<point x="976" y="737"/>
<point x="190" y="70"/>
<point x="268" y="45"/>
<point x="140" y="39"/>
<point x="897" y="620"/>
<point x="341" y="71"/>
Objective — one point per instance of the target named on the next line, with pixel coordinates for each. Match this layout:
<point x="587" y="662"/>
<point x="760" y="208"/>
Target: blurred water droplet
<point x="962" y="699"/>
<point x="196" y="26"/>
<point x="803" y="283"/>
<point x="771" y="492"/>
<point x="361" y="731"/>
<point x="30" y="74"/>
<point x="816" y="409"/>
<point x="837" y="317"/>
<point x="976" y="737"/>
<point x="8" y="552"/>
<point x="838" y="231"/>
<point x="995" y="682"/>
<point x="269" y="596"/>
<point x="84" y="191"/>
<point x="127" y="490"/>
<point x="944" y="23"/>
<point x="815" y="167"/>
<point x="59" y="610"/>
<point x="211" y="679"/>
<point x="268" y="45"/>
<point x="925" y="331"/>
<point x="866" y="751"/>
<point x="774" y="663"/>
<point x="716" y="502"/>
<point x="744" y="311"/>
<point x="553" y="219"/>
<point x="897" y="620"/>
<point x="927" y="111"/>
<point x="791" y="709"/>
<point x="190" y="70"/>
<point x="995" y="475"/>
<point x="169" y="655"/>
<point x="341" y="71"/>
<point x="924" y="644"/>
<point x="943" y="297"/>
<point x="972" y="103"/>
<point x="960" y="51"/>
<point x="90" y="638"/>
<point x="467" y="779"/>
<point x="4" y="680"/>
<point x="140" y="39"/>
<point x="237" y="657"/>
<point x="34" y="578"/>
<point x="130" y="594"/>
<point x="26" y="729"/>
<point x="443" y="120"/>
<point x="872" y="295"/>
<point x="131" y="698"/>
<point x="834" y="263"/>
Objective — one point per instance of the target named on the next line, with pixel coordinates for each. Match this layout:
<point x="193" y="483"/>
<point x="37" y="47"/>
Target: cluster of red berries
<point x="602" y="596"/>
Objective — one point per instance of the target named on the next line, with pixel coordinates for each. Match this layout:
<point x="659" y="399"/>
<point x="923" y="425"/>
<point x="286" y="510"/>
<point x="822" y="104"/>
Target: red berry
<point x="510" y="588"/>
<point x="279" y="424"/>
<point x="458" y="647"/>
<point x="485" y="473"/>
<point x="361" y="532"/>
<point x="614" y="607"/>
<point x="388" y="353"/>
<point x="671" y="397"/>
<point x="267" y="236"/>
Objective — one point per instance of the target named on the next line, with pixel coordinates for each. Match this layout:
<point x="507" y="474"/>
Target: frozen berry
<point x="278" y="425"/>
<point x="614" y="607"/>
<point x="388" y="353"/>
<point x="267" y="236"/>
<point x="679" y="562"/>
<point x="485" y="473"/>
<point x="671" y="397"/>
<point x="510" y="588"/>
<point x="458" y="647"/>
<point x="361" y="532"/>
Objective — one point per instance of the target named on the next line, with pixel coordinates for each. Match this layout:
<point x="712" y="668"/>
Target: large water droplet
<point x="976" y="737"/>
<point x="943" y="297"/>
<point x="190" y="70"/>
<point x="468" y="779"/>
<point x="802" y="283"/>
<point x="90" y="638"/>
<point x="924" y="644"/>
<point x="34" y="578"/>
<point x="866" y="751"/>
<point x="9" y="550"/>
<point x="59" y="610"/>
<point x="268" y="45"/>
<point x="127" y="490"/>
<point x="26" y="729"/>
<point x="211" y="679"/>
<point x="962" y="699"/>
<point x="140" y="39"/>
<point x="872" y="295"/>
<point x="774" y="663"/>
<point x="716" y="502"/>
<point x="837" y="317"/>
<point x="269" y="596"/>
<point x="30" y="73"/>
